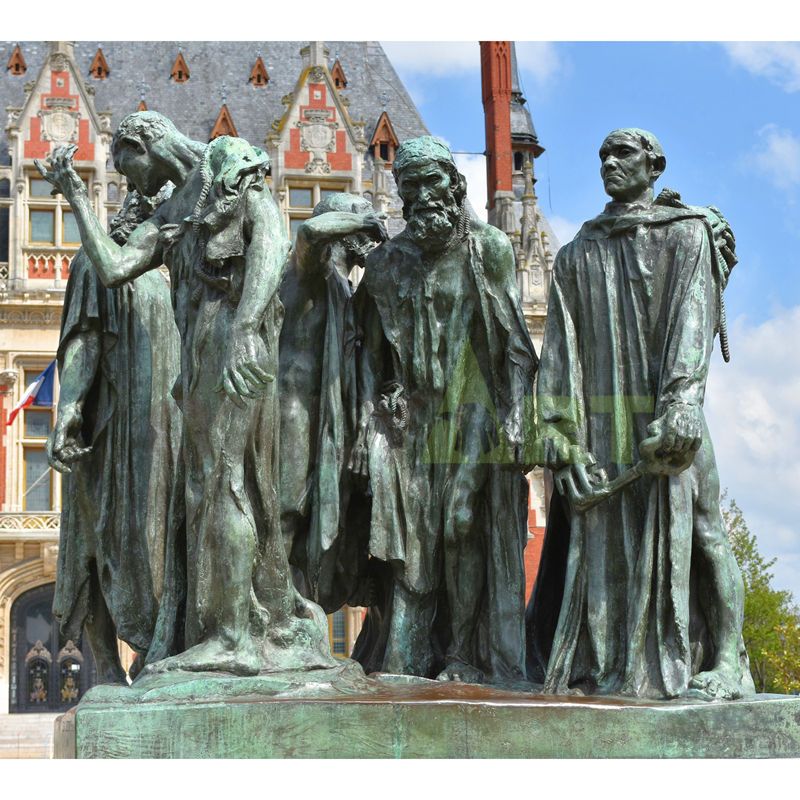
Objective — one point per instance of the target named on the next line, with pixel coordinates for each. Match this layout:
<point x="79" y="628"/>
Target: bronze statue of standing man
<point x="446" y="364"/>
<point x="638" y="591"/>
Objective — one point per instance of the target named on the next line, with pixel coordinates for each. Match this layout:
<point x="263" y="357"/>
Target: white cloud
<point x="564" y="229"/>
<point x="753" y="411"/>
<point x="434" y="58"/>
<point x="473" y="168"/>
<point x="539" y="59"/>
<point x="777" y="155"/>
<point x="779" y="62"/>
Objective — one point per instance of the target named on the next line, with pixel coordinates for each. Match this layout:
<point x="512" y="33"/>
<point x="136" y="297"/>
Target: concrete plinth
<point x="240" y="718"/>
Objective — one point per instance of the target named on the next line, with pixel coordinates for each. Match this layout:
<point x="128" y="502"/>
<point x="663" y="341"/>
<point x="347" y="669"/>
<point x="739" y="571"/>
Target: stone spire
<point x="523" y="133"/>
<point x="315" y="54"/>
<point x="65" y="48"/>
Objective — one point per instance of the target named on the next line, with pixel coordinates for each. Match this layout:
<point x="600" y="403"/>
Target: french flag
<point x="39" y="393"/>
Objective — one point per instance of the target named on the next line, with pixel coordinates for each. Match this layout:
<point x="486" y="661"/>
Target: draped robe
<point x="117" y="499"/>
<point x="633" y="309"/>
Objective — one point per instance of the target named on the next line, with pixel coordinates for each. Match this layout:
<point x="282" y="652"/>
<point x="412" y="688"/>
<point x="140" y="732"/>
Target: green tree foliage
<point x="771" y="620"/>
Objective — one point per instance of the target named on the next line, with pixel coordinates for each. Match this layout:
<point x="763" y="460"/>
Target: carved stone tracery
<point x="317" y="136"/>
<point x="39" y="651"/>
<point x="59" y="125"/>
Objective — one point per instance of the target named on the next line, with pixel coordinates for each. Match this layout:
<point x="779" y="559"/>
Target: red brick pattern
<point x="340" y="160"/>
<point x="496" y="85"/>
<point x="36" y="146"/>
<point x="533" y="555"/>
<point x="294" y="157"/>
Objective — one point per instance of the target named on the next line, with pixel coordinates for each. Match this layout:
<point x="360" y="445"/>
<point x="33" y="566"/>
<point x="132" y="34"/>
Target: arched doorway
<point x="47" y="673"/>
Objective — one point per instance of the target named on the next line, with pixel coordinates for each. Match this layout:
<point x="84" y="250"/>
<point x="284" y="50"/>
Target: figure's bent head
<point x="342" y="201"/>
<point x="631" y="160"/>
<point x="356" y="246"/>
<point x="432" y="189"/>
<point x="135" y="148"/>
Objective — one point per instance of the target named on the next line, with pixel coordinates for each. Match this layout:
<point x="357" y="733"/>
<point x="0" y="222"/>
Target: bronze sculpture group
<point x="309" y="442"/>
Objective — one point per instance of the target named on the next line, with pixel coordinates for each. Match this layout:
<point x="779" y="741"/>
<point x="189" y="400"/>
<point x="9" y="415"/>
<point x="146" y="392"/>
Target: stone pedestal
<point x="347" y="716"/>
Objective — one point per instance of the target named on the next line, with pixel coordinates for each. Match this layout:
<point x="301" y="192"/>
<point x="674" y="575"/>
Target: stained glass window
<point x="38" y="681"/>
<point x="47" y="672"/>
<point x="70" y="681"/>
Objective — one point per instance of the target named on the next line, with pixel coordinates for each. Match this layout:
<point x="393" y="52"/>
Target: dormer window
<point x="224" y="125"/>
<point x="180" y="71"/>
<point x="339" y="78"/>
<point x="16" y="64"/>
<point x="258" y="75"/>
<point x="99" y="68"/>
<point x="384" y="141"/>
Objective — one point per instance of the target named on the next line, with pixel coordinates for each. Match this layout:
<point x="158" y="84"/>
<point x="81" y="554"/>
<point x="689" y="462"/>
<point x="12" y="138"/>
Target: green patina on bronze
<point x="638" y="591"/>
<point x="228" y="602"/>
<point x="318" y="400"/>
<point x="421" y="720"/>
<point x="404" y="410"/>
<point x="445" y="366"/>
<point x="117" y="439"/>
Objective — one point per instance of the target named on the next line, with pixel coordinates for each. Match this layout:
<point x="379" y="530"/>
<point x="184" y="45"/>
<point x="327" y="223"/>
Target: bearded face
<point x="430" y="208"/>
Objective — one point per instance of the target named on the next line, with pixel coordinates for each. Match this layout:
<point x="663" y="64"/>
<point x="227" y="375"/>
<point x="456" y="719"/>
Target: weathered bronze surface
<point x="638" y="591"/>
<point x="427" y="719"/>
<point x="318" y="400"/>
<point x="406" y="426"/>
<point x="228" y="602"/>
<point x="117" y="441"/>
<point x="445" y="366"/>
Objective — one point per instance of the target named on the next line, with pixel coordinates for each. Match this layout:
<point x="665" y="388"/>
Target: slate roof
<point x="522" y="129"/>
<point x="195" y="104"/>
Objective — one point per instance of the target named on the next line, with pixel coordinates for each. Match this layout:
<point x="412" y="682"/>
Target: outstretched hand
<point x="243" y="375"/>
<point x="62" y="172"/>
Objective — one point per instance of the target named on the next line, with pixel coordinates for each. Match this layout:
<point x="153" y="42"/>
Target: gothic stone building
<point x="330" y="115"/>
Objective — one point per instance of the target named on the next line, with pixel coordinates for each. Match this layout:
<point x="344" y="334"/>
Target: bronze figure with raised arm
<point x="224" y="243"/>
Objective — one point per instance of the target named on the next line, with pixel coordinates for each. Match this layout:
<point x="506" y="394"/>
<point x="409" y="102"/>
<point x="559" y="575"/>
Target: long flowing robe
<point x="461" y="379"/>
<point x="116" y="500"/>
<point x="317" y="397"/>
<point x="230" y="453"/>
<point x="618" y="605"/>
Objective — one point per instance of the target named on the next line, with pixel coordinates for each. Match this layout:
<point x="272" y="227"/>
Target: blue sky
<point x="728" y="117"/>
